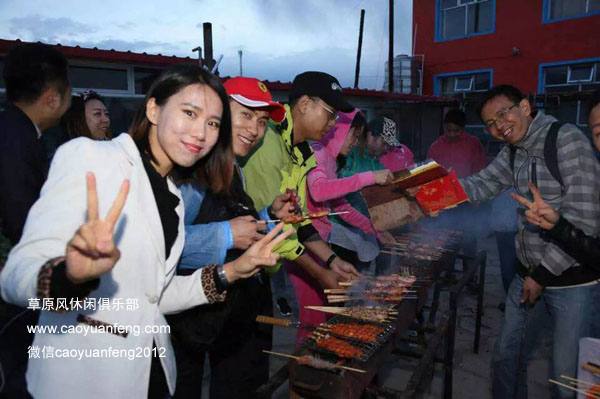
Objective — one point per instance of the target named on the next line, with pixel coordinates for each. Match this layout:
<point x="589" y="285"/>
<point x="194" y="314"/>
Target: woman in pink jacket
<point x="353" y="238"/>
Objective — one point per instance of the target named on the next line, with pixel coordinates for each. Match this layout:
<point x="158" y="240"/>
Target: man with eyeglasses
<point x="545" y="270"/>
<point x="281" y="162"/>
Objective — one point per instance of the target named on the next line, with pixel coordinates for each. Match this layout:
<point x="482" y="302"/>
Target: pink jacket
<point x="326" y="190"/>
<point x="398" y="158"/>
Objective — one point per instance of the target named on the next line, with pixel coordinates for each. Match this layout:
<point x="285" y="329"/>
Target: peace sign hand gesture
<point x="92" y="251"/>
<point x="540" y="213"/>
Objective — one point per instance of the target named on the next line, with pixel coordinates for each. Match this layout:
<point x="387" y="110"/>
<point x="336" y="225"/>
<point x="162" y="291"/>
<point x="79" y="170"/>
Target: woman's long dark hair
<point x="215" y="170"/>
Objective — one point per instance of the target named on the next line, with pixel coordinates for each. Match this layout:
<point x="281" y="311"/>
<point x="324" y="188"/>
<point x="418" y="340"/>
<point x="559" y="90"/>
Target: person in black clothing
<point x="38" y="89"/>
<point x="228" y="331"/>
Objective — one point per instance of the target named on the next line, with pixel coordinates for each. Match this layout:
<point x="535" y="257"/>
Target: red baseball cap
<point x="253" y="93"/>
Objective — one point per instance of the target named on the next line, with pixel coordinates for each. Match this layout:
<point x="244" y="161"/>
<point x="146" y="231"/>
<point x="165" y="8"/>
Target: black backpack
<point x="550" y="155"/>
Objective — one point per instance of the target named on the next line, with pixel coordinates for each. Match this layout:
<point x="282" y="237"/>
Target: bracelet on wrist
<point x="330" y="260"/>
<point x="222" y="276"/>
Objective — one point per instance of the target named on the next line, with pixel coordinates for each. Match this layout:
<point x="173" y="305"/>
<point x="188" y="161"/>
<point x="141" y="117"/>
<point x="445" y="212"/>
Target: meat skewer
<point x="335" y="345"/>
<point x="362" y="332"/>
<point x="379" y="314"/>
<point x="315" y="362"/>
<point x="301" y="218"/>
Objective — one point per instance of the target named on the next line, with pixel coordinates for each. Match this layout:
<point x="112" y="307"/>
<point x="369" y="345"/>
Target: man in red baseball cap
<point x="251" y="107"/>
<point x="219" y="227"/>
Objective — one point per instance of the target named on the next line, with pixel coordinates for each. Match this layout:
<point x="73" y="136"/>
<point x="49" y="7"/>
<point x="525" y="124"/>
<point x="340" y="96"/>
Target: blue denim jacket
<point x="205" y="244"/>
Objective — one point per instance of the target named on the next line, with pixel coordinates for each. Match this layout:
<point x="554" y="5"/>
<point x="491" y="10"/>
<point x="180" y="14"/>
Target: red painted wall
<point x="518" y="23"/>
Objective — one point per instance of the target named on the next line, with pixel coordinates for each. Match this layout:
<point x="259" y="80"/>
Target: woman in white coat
<point x="104" y="283"/>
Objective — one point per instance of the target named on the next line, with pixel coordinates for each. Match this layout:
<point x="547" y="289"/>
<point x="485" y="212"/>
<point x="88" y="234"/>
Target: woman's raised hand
<point x="258" y="255"/>
<point x="92" y="251"/>
<point x="539" y="212"/>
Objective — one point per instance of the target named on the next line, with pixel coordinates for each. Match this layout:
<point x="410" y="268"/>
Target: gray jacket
<point x="579" y="203"/>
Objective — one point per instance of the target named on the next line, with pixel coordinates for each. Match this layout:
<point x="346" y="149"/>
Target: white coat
<point x="141" y="273"/>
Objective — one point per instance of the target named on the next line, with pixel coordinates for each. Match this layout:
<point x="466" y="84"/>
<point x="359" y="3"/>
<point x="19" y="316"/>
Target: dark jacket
<point x="584" y="248"/>
<point x="23" y="169"/>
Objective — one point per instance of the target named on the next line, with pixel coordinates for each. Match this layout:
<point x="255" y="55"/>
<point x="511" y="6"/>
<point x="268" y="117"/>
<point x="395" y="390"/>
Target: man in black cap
<point x="281" y="162"/>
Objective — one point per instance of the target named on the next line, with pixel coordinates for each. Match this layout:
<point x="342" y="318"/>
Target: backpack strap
<point x="551" y="153"/>
<point x="511" y="157"/>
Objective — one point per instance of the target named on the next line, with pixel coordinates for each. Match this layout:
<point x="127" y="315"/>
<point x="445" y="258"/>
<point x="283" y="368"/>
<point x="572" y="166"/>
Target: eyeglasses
<point x="500" y="116"/>
<point x="332" y="114"/>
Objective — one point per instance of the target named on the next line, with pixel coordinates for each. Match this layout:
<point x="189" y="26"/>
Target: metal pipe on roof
<point x="360" y="38"/>
<point x="391" y="50"/>
<point x="208" y="45"/>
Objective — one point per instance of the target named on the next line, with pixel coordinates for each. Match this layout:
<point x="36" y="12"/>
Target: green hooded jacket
<point x="274" y="166"/>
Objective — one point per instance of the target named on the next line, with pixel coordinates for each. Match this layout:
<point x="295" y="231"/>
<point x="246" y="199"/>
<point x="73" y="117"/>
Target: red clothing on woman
<point x="465" y="154"/>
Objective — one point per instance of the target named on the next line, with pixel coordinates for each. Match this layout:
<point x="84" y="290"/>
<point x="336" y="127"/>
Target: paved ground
<point x="471" y="372"/>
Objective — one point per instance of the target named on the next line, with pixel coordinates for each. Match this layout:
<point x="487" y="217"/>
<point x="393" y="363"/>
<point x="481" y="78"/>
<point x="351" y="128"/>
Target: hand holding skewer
<point x="539" y="212"/>
<point x="92" y="252"/>
<point x="286" y="205"/>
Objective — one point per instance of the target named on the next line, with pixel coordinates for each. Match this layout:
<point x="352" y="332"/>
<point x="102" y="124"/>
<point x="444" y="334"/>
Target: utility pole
<point x="391" y="50"/>
<point x="208" y="46"/>
<point x="360" y="38"/>
<point x="240" y="54"/>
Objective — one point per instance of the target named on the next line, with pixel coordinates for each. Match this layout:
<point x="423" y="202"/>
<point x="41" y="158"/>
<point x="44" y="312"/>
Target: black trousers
<point x="238" y="365"/>
<point x="14" y="342"/>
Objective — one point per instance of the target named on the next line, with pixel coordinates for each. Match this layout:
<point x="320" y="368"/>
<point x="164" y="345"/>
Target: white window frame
<point x="589" y="79"/>
<point x="471" y="81"/>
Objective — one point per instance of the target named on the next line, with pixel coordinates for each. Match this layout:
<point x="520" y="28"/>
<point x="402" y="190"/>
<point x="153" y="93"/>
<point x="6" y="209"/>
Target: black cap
<point x="322" y="85"/>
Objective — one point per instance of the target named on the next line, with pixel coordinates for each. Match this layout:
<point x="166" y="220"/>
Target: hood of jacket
<point x="335" y="138"/>
<point x="539" y="124"/>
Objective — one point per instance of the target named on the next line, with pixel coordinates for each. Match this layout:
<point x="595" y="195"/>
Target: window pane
<point x="453" y="23"/>
<point x="464" y="83"/>
<point x="479" y="17"/>
<point x="482" y="81"/>
<point x="98" y="78"/>
<point x="584" y="110"/>
<point x="594" y="5"/>
<point x="566" y="8"/>
<point x="448" y="3"/>
<point x="143" y="79"/>
<point x="447" y="86"/>
<point x="471" y="112"/>
<point x="590" y="86"/>
<point x="556" y="75"/>
<point x="581" y="73"/>
<point x="567" y="112"/>
<point x="562" y="89"/>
